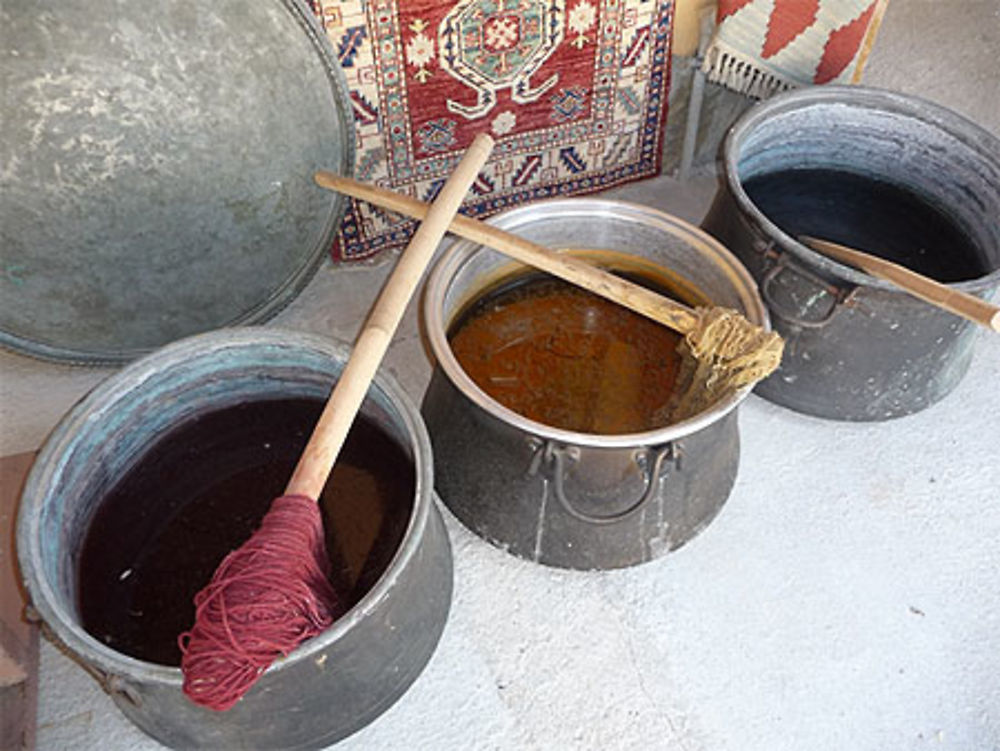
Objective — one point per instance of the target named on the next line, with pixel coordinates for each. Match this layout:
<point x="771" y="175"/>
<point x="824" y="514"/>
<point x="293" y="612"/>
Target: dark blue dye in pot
<point x="871" y="215"/>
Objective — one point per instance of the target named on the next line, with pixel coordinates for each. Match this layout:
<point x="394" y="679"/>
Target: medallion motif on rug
<point x="573" y="91"/>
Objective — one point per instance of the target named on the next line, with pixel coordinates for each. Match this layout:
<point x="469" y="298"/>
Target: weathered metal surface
<point x="156" y="169"/>
<point x="559" y="497"/>
<point x="333" y="684"/>
<point x="858" y="348"/>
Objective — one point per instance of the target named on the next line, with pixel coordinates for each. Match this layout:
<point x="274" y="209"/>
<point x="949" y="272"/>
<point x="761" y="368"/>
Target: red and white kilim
<point x="573" y="91"/>
<point x="760" y="47"/>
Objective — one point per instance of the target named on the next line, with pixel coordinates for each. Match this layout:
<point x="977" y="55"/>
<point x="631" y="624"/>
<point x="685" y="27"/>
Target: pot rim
<point x="51" y="459"/>
<point x="461" y="251"/>
<point x="905" y="105"/>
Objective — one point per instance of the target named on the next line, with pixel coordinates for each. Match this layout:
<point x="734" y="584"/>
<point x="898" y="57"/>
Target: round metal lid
<point x="156" y="168"/>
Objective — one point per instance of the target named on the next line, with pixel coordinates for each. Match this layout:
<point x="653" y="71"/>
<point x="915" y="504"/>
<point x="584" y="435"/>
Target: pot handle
<point x="839" y="295"/>
<point x="653" y="459"/>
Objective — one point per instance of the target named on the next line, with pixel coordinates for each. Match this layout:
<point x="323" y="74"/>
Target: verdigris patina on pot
<point x="331" y="685"/>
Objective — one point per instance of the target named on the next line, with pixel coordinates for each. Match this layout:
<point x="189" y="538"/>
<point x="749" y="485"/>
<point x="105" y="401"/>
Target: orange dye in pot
<point x="567" y="358"/>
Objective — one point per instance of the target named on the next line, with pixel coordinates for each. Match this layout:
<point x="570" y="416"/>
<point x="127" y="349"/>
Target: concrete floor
<point x="848" y="595"/>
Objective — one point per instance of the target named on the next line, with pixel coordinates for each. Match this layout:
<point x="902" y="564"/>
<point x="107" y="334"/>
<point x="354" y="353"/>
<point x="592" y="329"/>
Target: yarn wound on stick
<point x="265" y="598"/>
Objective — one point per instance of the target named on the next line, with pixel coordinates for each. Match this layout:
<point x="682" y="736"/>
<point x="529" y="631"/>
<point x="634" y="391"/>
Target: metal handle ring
<point x="558" y="457"/>
<point x="840" y="296"/>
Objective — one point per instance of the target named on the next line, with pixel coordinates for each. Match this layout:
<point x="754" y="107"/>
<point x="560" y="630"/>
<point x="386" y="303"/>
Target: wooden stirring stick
<point x="633" y="296"/>
<point x="321" y="452"/>
<point x="272" y="593"/>
<point x="953" y="300"/>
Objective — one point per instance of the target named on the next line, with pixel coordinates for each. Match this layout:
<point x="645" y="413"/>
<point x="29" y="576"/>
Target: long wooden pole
<point x="331" y="430"/>
<point x="929" y="290"/>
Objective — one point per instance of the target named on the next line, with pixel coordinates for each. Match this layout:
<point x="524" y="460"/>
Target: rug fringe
<point x="739" y="72"/>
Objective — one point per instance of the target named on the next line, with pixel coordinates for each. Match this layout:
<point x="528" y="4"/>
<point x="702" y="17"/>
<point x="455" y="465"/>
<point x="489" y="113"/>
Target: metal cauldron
<point x="333" y="684"/>
<point x="565" y="498"/>
<point x="857" y="347"/>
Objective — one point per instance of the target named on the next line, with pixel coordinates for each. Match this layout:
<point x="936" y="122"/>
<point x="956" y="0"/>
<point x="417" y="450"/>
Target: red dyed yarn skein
<point x="272" y="593"/>
<point x="265" y="598"/>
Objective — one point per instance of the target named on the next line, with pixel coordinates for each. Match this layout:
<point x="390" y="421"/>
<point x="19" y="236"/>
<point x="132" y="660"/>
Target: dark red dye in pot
<point x="200" y="492"/>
